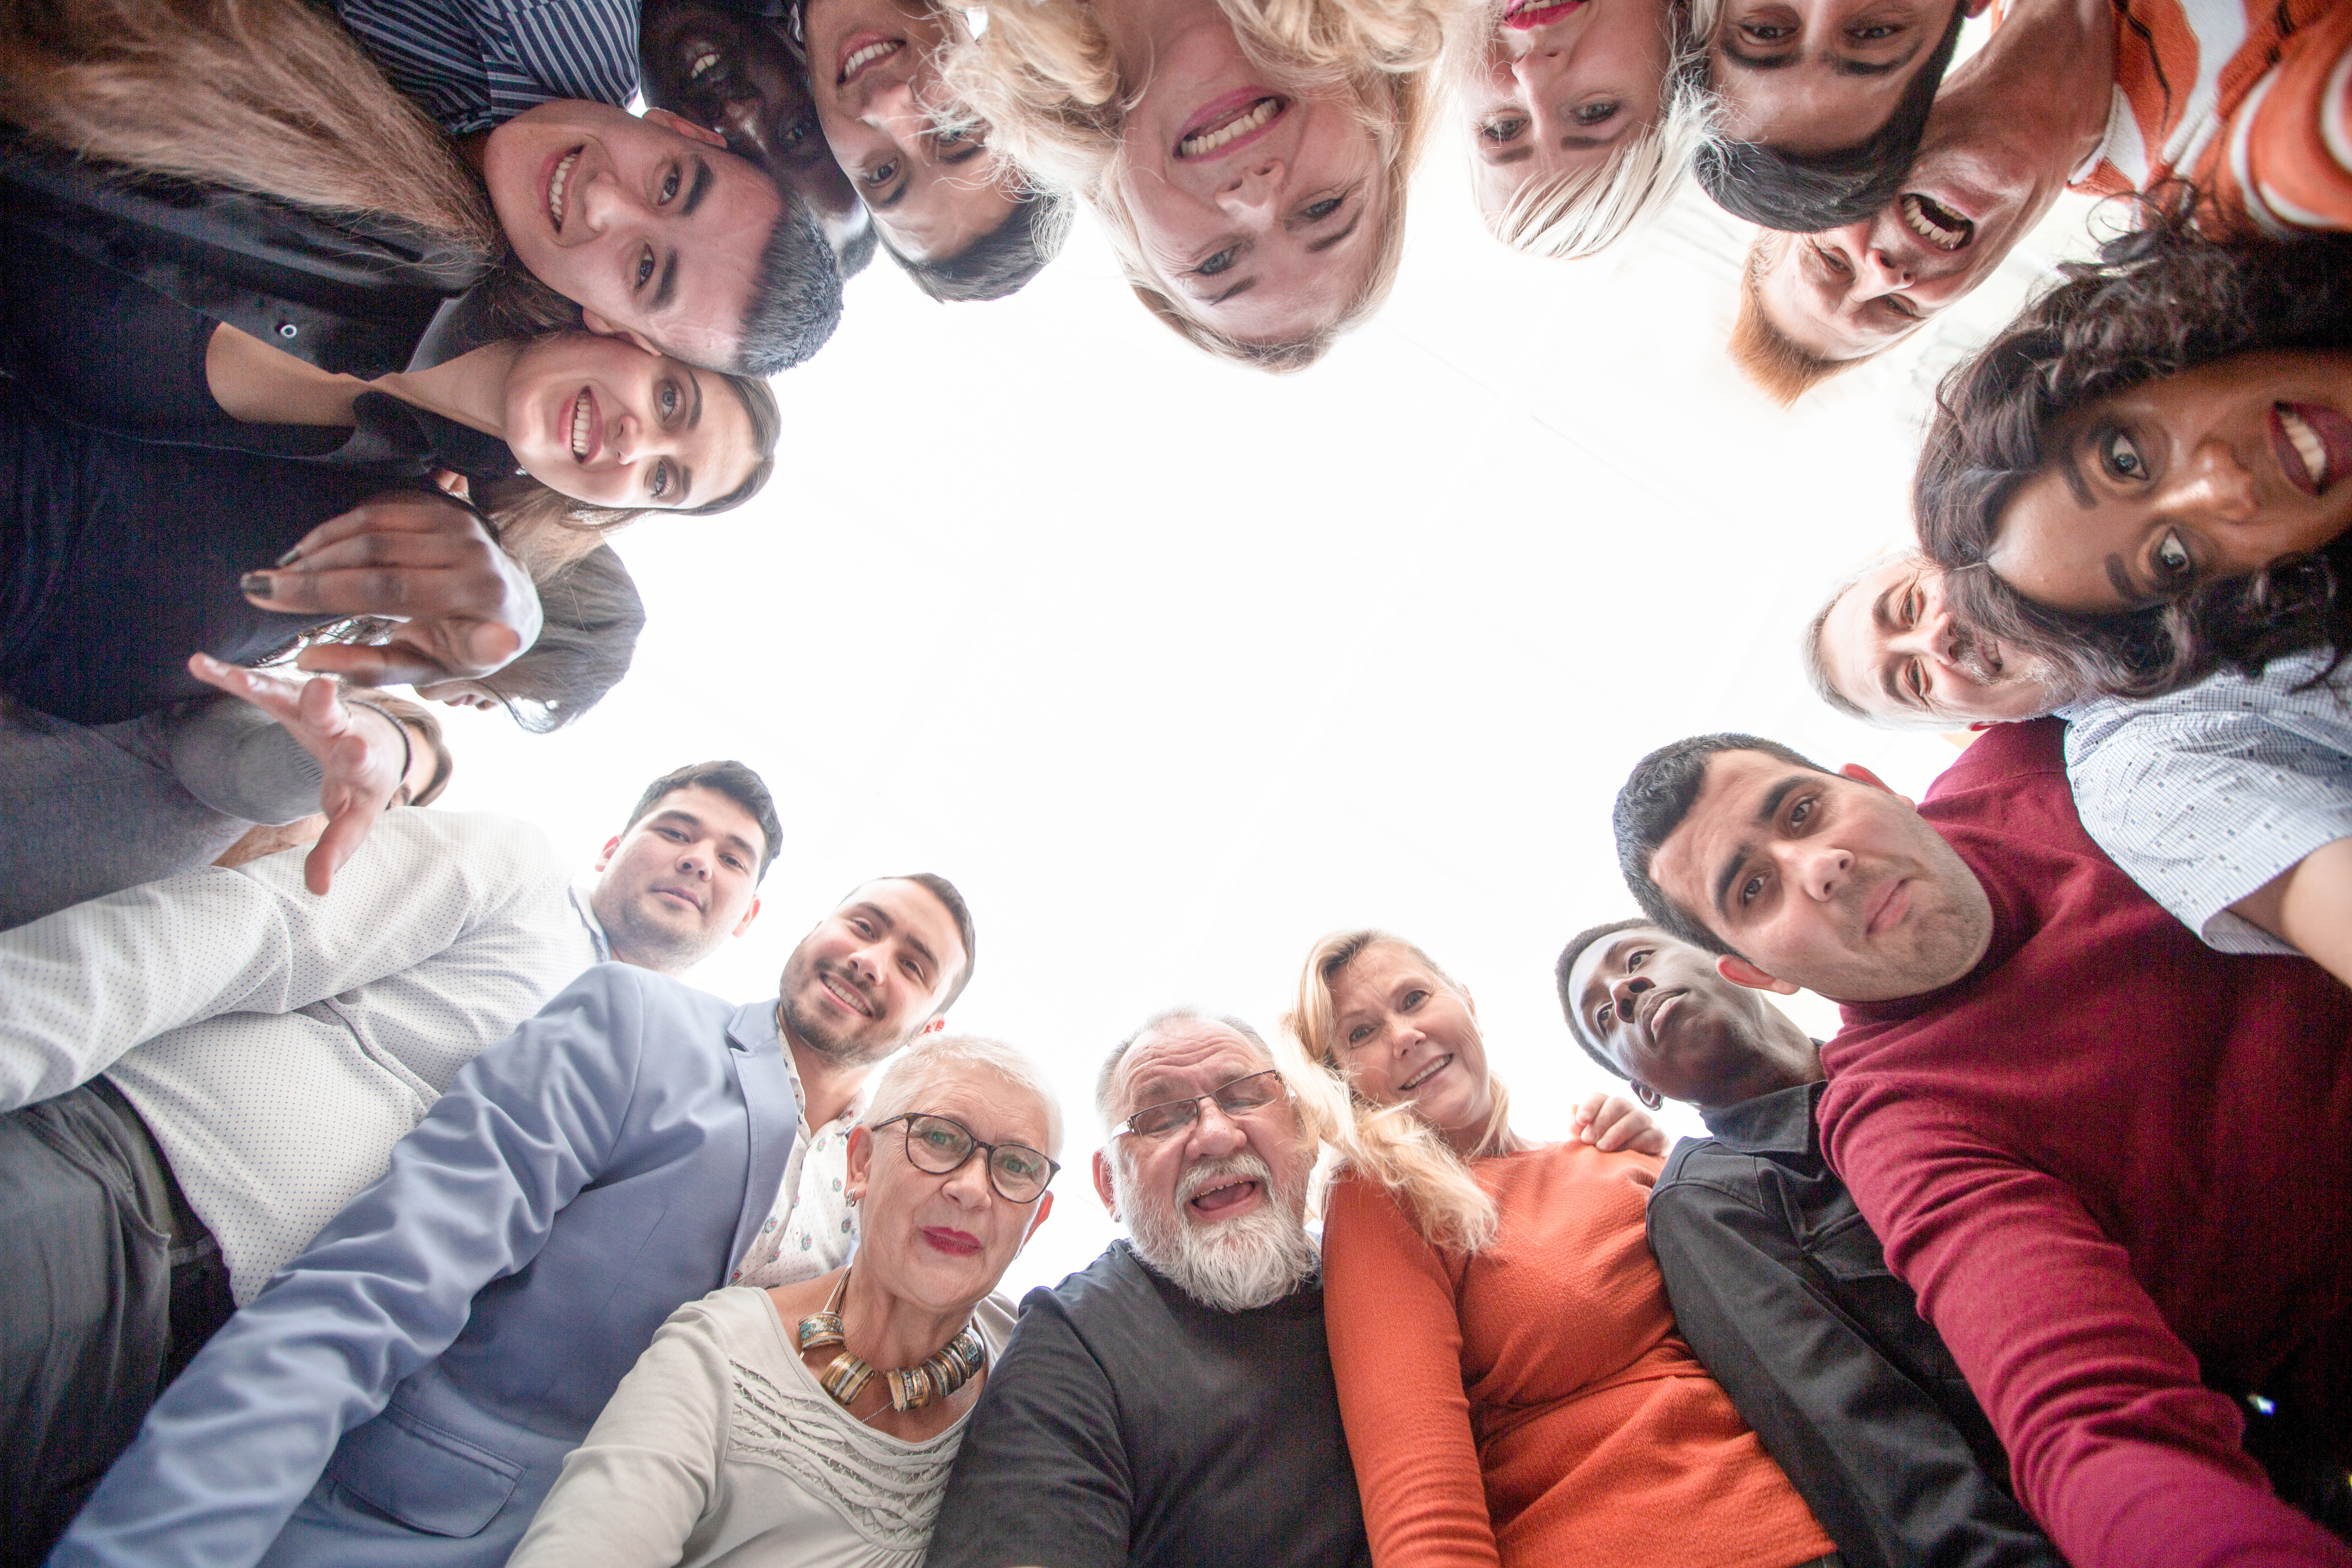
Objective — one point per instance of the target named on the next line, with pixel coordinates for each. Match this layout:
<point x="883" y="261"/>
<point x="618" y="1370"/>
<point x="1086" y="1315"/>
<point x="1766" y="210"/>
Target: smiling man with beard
<point x="2113" y="1162"/>
<point x="1172" y="1404"/>
<point x="1885" y="649"/>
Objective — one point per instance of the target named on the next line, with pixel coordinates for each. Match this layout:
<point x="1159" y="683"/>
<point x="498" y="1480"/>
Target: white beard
<point x="1232" y="1265"/>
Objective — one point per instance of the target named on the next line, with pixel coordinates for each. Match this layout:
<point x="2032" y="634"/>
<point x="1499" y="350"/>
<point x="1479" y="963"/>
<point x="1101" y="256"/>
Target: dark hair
<point x="795" y="300"/>
<point x="2159" y="301"/>
<point x="940" y="887"/>
<point x="1567" y="957"/>
<point x="1658" y="796"/>
<point x="1805" y="193"/>
<point x="1002" y="261"/>
<point x="592" y="619"/>
<point x="727" y="777"/>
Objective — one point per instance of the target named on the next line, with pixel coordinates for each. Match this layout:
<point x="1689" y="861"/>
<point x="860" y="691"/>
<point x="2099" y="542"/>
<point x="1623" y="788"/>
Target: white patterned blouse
<point x="719" y="1449"/>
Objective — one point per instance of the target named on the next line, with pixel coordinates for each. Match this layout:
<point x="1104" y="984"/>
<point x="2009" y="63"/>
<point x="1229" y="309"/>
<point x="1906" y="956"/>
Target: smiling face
<point x="681" y="880"/>
<point x="656" y="233"/>
<point x="1658" y="1008"/>
<point x="602" y="420"/>
<point x="1814" y="75"/>
<point x="872" y="973"/>
<point x="1830" y="883"/>
<point x="734" y="74"/>
<point x="943" y="1242"/>
<point x="1403" y="1034"/>
<point x="1258" y="210"/>
<point x="1895" y="652"/>
<point x="872" y="71"/>
<point x="2209" y="473"/>
<point x="1562" y="85"/>
<point x="1217" y="1205"/>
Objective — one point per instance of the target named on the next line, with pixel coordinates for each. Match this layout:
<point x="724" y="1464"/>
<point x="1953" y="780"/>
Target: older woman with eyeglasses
<point x="814" y="1424"/>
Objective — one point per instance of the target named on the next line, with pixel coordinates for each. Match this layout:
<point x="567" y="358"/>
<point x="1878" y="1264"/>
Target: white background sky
<point x="1174" y="667"/>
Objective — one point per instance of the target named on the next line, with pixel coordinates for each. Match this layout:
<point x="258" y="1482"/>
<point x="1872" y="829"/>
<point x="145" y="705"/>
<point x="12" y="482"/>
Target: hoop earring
<point x="1646" y="1095"/>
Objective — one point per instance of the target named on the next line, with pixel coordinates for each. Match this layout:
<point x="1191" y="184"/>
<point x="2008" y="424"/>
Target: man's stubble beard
<point x="835" y="1042"/>
<point x="1233" y="1266"/>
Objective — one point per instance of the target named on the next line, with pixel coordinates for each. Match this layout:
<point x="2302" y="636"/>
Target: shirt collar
<point x="1781" y="1122"/>
<point x="858" y="1102"/>
<point x="583" y="905"/>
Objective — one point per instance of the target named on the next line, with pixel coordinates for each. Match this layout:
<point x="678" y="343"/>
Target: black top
<point x="119" y="558"/>
<point x="1781" y="1288"/>
<point x="1129" y="1424"/>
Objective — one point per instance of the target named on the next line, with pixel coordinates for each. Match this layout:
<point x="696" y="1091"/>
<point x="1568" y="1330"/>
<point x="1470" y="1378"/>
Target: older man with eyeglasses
<point x="1172" y="1404"/>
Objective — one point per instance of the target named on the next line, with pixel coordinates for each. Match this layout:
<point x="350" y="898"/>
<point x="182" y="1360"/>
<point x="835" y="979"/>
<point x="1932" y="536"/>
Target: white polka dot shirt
<point x="2205" y="795"/>
<point x="278" y="1044"/>
<point x="811" y="1228"/>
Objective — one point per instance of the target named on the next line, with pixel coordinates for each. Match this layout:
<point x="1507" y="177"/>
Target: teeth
<point x="704" y="63"/>
<point x="1264" y="109"/>
<point x="1923" y="218"/>
<point x="1425" y="1074"/>
<point x="2307" y="445"/>
<point x="555" y="187"/>
<point x="867" y="56"/>
<point x="580" y="427"/>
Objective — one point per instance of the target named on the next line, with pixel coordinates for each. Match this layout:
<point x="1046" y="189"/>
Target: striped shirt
<point x="2205" y="795"/>
<point x="2245" y="99"/>
<point x="476" y="64"/>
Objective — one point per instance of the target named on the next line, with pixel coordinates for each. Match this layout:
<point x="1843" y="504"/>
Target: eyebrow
<point x="1518" y="154"/>
<point x="2072" y="468"/>
<point x="1243" y="287"/>
<point x="667" y="290"/>
<point x="1327" y="241"/>
<point x="1764" y="815"/>
<point x="2120" y="577"/>
<point x="1842" y="67"/>
<point x="703" y="179"/>
<point x="1888" y="68"/>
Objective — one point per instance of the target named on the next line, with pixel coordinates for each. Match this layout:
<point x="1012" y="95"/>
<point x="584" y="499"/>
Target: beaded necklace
<point x="912" y="1387"/>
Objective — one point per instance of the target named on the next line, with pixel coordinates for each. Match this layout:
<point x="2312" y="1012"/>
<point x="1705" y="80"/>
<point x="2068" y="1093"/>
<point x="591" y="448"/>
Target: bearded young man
<point x="1172" y="1404"/>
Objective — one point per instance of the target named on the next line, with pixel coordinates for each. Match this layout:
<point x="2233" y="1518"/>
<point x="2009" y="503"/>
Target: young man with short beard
<point x="402" y="1394"/>
<point x="1172" y="1404"/>
<point x="2113" y="1162"/>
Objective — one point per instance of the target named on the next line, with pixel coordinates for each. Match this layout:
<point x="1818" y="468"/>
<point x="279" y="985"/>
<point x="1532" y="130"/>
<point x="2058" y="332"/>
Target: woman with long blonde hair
<point x="1249" y="159"/>
<point x="1509" y="1375"/>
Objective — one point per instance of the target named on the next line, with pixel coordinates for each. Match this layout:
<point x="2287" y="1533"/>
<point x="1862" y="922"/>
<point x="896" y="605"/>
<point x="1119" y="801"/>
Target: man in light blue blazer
<point x="405" y="1391"/>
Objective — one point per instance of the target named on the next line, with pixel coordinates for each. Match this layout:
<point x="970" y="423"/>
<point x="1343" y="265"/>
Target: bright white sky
<point x="1174" y="667"/>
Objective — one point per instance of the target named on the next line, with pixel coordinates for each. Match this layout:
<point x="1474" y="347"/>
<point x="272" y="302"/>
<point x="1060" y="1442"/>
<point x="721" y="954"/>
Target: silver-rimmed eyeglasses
<point x="1243" y="1094"/>
<point x="940" y="1145"/>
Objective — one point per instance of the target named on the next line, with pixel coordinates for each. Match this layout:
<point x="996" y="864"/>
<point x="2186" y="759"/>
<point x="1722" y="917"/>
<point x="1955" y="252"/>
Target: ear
<point x="604" y="327"/>
<point x="710" y="138"/>
<point x="1469" y="1001"/>
<point x="1739" y="972"/>
<point x="1861" y="774"/>
<point x="1044" y="1207"/>
<point x="1102" y="1182"/>
<point x="605" y="858"/>
<point x="861" y="1162"/>
<point x="934" y="1027"/>
<point x="1646" y="1095"/>
<point x="749" y="916"/>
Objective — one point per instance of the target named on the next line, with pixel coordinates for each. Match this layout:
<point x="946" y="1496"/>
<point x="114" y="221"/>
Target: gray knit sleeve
<point x="237" y="760"/>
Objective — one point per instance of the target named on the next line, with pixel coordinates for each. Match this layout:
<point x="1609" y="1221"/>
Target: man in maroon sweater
<point x="2113" y="1162"/>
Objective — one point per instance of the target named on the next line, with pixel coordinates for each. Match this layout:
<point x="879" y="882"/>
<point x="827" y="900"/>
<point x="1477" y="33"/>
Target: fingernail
<point x="290" y="557"/>
<point x="256" y="584"/>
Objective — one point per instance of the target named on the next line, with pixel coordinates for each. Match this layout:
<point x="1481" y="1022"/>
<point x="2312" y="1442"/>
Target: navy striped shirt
<point x="475" y="64"/>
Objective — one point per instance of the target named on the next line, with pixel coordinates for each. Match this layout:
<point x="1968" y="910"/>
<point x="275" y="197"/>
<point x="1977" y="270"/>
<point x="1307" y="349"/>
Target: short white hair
<point x="920" y="1066"/>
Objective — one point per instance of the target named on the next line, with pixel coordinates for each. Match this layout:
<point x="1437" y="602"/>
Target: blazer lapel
<point x="757" y="1055"/>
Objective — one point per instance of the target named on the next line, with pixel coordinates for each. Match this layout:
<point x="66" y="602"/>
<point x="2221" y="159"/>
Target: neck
<point x="886" y="1330"/>
<point x="2029" y="106"/>
<point x="827" y="1083"/>
<point x="1782" y="1057"/>
<point x="470" y="389"/>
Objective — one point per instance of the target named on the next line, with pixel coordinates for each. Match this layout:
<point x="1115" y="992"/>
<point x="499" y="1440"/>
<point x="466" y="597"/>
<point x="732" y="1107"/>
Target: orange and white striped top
<point x="2250" y="101"/>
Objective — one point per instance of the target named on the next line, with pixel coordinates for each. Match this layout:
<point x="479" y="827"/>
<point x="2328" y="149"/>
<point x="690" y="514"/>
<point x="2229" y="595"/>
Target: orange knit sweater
<point x="1533" y="1404"/>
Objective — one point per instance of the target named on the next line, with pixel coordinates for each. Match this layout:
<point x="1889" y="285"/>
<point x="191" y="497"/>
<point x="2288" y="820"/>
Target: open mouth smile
<point x="1230" y="123"/>
<point x="704" y="64"/>
<point x="2312" y="444"/>
<point x="845" y="995"/>
<point x="1218" y="1199"/>
<point x="1937" y="224"/>
<point x="1523" y="15"/>
<point x="1425" y="1074"/>
<point x="587" y="427"/>
<point x="556" y="184"/>
<point x="868" y="48"/>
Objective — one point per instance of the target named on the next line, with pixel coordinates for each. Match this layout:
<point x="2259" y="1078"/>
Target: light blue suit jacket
<point x="405" y="1391"/>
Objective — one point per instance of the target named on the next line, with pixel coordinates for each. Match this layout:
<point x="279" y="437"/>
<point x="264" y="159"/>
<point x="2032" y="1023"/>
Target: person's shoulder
<point x="1694" y="1159"/>
<point x="2002" y="757"/>
<point x="1115" y="1285"/>
<point x="483" y="844"/>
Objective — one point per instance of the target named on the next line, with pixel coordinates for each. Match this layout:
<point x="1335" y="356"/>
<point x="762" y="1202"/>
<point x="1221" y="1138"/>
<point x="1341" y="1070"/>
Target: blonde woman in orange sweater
<point x="1509" y="1375"/>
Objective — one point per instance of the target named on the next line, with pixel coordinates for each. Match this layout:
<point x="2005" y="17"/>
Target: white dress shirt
<point x="2204" y="796"/>
<point x="811" y="1227"/>
<point x="277" y="1043"/>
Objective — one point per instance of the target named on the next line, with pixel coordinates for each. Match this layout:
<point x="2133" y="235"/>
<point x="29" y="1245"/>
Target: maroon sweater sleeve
<point x="2114" y="1445"/>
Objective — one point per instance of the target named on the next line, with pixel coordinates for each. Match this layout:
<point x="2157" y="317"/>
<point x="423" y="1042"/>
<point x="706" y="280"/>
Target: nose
<point x="696" y="858"/>
<point x="605" y="204"/>
<point x="967" y="1185"/>
<point x="1625" y="992"/>
<point x="1215" y="1134"/>
<point x="633" y="439"/>
<point x="1821" y="871"/>
<point x="1252" y="192"/>
<point x="2215" y="484"/>
<point x="888" y="103"/>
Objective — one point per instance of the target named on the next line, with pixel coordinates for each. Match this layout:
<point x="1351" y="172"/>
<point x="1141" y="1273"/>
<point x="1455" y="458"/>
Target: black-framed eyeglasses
<point x="940" y="1145"/>
<point x="1243" y="1094"/>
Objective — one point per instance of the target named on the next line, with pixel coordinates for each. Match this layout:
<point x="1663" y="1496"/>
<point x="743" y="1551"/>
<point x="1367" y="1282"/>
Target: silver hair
<point x="905" y="1080"/>
<point x="1107" y="1081"/>
<point x="1816" y="655"/>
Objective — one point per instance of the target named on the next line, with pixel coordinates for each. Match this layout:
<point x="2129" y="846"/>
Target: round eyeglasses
<point x="1243" y="1094"/>
<point x="940" y="1145"/>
